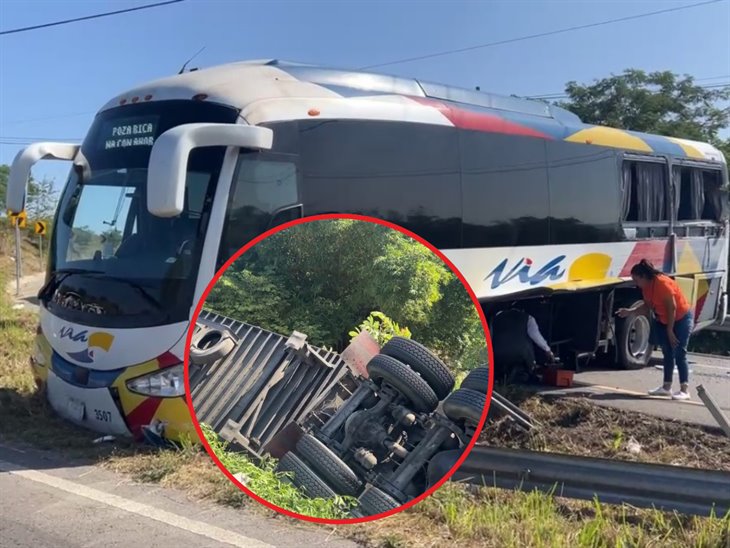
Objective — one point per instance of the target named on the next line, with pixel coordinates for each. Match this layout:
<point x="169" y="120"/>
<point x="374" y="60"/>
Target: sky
<point x="53" y="80"/>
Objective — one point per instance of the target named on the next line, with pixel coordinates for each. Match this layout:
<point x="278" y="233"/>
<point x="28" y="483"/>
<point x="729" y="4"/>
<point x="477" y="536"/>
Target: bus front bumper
<point x="92" y="408"/>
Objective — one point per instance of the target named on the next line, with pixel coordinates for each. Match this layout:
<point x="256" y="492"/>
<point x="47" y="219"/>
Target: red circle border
<point x="199" y="307"/>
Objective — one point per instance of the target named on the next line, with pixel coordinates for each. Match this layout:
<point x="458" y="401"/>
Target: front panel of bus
<point x="121" y="282"/>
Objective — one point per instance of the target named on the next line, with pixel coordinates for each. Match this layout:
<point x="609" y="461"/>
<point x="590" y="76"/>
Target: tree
<point x="4" y="174"/>
<point x="659" y="102"/>
<point x="42" y="199"/>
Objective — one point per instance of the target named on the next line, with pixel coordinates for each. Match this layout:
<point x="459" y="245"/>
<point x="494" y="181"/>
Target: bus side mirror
<point x="169" y="159"/>
<point x="24" y="162"/>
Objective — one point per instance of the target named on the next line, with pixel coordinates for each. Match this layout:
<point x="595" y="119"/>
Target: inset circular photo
<point x="324" y="368"/>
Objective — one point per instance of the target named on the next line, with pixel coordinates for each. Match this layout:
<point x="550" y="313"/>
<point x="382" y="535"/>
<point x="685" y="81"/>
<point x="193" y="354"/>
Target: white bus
<point x="175" y="175"/>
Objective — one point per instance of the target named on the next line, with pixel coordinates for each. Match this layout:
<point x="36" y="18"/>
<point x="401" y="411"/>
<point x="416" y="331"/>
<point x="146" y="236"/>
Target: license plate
<point x="75" y="409"/>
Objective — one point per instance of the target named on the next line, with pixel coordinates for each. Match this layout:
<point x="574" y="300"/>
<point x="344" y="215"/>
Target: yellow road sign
<point x="21" y="219"/>
<point x="40" y="227"/>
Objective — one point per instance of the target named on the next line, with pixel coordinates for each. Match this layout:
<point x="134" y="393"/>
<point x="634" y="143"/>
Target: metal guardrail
<point x="670" y="488"/>
<point x="266" y="382"/>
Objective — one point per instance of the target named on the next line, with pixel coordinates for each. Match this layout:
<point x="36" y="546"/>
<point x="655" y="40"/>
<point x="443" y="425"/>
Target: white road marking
<point x="192" y="526"/>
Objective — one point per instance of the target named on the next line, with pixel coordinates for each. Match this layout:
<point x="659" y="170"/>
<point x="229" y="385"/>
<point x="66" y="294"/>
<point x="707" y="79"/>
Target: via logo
<point x="525" y="272"/>
<point x="68" y="333"/>
<point x="93" y="341"/>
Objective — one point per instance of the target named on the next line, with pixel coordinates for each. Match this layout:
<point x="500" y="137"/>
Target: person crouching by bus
<point x="514" y="334"/>
<point x="671" y="326"/>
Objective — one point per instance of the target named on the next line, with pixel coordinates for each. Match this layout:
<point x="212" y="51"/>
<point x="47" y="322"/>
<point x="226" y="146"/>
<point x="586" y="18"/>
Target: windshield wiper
<point x="58" y="276"/>
<point x="139" y="288"/>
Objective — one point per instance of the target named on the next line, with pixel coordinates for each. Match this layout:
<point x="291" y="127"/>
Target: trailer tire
<point x="465" y="405"/>
<point x="210" y="345"/>
<point x="304" y="477"/>
<point x="328" y="465"/>
<point x="477" y="379"/>
<point x="422" y="361"/>
<point x="374" y="501"/>
<point x="633" y="336"/>
<point x="405" y="380"/>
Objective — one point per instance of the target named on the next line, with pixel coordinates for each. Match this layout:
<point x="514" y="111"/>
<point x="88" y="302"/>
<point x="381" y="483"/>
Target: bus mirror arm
<point x="168" y="163"/>
<point x="297" y="209"/>
<point x="24" y="162"/>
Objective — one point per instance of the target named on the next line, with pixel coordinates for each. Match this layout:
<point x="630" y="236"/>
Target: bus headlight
<point x="165" y="383"/>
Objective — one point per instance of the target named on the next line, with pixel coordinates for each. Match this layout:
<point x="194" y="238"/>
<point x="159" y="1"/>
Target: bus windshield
<point x="112" y="262"/>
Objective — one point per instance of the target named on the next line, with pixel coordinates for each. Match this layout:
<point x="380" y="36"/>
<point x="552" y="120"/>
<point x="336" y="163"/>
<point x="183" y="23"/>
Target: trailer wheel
<point x="304" y="477"/>
<point x="374" y="501"/>
<point x="477" y="379"/>
<point x="423" y="362"/>
<point x="210" y="345"/>
<point x="465" y="405"/>
<point x="404" y="380"/>
<point x="633" y="337"/>
<point x="328" y="465"/>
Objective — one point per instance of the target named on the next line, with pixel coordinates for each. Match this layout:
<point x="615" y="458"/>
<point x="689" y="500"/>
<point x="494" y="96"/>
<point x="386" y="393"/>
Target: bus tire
<point x="477" y="379"/>
<point x="633" y="341"/>
<point x="328" y="465"/>
<point x="374" y="501"/>
<point x="304" y="477"/>
<point x="465" y="405"/>
<point x="423" y="362"/>
<point x="405" y="380"/>
<point x="210" y="345"/>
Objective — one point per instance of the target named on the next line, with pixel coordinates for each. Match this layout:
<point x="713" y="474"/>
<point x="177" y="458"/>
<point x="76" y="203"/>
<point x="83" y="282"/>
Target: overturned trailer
<point x="365" y="423"/>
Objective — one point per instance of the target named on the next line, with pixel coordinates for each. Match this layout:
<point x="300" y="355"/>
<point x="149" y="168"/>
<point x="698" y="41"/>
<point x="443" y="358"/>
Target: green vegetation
<point x="325" y="277"/>
<point x="660" y="102"/>
<point x="262" y="478"/>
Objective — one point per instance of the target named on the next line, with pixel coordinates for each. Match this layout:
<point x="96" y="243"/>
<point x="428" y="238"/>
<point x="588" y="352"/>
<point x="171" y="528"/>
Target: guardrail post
<point x="714" y="409"/>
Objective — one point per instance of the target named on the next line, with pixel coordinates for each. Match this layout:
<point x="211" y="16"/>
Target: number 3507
<point x="103" y="416"/>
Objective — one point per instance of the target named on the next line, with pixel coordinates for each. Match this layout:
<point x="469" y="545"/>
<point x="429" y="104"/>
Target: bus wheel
<point x="634" y="346"/>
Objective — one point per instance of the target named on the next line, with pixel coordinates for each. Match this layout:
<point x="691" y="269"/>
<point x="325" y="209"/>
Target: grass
<point x="273" y="486"/>
<point x="456" y="514"/>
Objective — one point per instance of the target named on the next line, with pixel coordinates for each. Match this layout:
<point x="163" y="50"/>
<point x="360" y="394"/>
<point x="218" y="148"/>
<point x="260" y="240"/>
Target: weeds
<point x="273" y="486"/>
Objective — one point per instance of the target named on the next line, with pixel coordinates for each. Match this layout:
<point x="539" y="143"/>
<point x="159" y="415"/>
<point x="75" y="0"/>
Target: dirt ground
<point x="578" y="427"/>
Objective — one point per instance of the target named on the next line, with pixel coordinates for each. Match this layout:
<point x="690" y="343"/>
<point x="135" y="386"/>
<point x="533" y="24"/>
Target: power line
<point x="52" y="117"/>
<point x="87" y="17"/>
<point x="541" y="34"/>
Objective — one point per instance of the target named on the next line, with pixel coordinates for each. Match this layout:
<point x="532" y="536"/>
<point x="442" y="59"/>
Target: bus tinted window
<point x="584" y="193"/>
<point x="505" y="190"/>
<point x="697" y="193"/>
<point x="644" y="186"/>
<point x="261" y="186"/>
<point x="404" y="173"/>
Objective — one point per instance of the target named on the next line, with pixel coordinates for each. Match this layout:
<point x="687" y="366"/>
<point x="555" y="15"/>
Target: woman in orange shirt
<point x="672" y="324"/>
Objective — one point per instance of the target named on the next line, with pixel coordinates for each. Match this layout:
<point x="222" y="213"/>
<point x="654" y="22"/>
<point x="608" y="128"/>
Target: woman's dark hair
<point x="644" y="269"/>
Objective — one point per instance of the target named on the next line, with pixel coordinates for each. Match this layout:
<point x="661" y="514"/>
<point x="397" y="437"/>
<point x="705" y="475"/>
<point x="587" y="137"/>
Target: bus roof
<point x="268" y="91"/>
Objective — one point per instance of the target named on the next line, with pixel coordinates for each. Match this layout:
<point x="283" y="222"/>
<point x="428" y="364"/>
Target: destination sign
<point x="139" y="131"/>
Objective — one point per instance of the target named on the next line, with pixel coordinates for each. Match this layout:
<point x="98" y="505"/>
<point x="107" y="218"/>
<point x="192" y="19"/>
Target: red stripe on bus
<point x="142" y="416"/>
<point x="480" y="121"/>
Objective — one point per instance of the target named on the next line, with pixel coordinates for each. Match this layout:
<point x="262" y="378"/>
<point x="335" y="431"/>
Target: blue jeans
<point x="682" y="330"/>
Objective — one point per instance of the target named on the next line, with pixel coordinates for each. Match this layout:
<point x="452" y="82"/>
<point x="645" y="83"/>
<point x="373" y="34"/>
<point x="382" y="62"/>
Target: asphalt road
<point x="47" y="501"/>
<point x="628" y="389"/>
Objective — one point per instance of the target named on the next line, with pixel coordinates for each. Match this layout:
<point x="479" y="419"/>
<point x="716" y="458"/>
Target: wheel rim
<point x="638" y="340"/>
